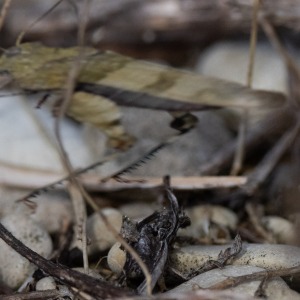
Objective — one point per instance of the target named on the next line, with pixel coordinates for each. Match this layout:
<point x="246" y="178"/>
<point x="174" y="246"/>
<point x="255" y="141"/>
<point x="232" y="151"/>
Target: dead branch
<point x="40" y="295"/>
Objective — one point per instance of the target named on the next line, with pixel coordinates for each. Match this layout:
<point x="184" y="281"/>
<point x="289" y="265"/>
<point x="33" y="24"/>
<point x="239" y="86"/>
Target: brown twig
<point x="39" y="295"/>
<point x="74" y="186"/>
<point x="71" y="82"/>
<point x="97" y="288"/>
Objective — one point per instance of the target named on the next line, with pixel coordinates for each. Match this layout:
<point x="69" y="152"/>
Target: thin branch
<point x="74" y="187"/>
<point x="120" y="239"/>
<point x="38" y="295"/>
<point x="74" y="72"/>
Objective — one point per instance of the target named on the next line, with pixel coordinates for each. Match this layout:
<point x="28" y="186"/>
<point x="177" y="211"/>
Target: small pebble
<point x="116" y="259"/>
<point x="283" y="230"/>
<point x="99" y="235"/>
<point x="46" y="283"/>
<point x="15" y="268"/>
<point x="216" y="213"/>
<point x="201" y="217"/>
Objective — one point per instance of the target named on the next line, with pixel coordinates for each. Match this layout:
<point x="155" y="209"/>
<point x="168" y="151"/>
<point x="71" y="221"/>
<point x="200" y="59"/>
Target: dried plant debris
<point x="223" y="258"/>
<point x="152" y="238"/>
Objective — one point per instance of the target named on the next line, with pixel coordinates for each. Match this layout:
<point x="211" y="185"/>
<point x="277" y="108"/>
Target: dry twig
<point x="239" y="154"/>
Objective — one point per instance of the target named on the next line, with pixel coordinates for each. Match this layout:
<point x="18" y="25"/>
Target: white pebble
<point x="15" y="268"/>
<point x="216" y="213"/>
<point x="116" y="258"/>
<point x="270" y="257"/>
<point x="276" y="288"/>
<point x="99" y="235"/>
<point x="46" y="283"/>
<point x="283" y="230"/>
<point x="202" y="215"/>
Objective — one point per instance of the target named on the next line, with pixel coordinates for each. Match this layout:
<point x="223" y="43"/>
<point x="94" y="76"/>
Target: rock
<point x="100" y="236"/>
<point x="201" y="217"/>
<point x="283" y="230"/>
<point x="276" y="288"/>
<point x="229" y="60"/>
<point x="116" y="259"/>
<point x="46" y="283"/>
<point x="270" y="257"/>
<point x="15" y="268"/>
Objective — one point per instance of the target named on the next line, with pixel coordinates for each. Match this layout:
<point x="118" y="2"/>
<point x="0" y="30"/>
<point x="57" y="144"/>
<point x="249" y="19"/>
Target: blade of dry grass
<point x="240" y="150"/>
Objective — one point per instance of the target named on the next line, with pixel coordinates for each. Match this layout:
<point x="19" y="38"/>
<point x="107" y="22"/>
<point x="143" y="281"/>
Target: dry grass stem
<point x="240" y="151"/>
<point x="74" y="186"/>
<point x="27" y="29"/>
